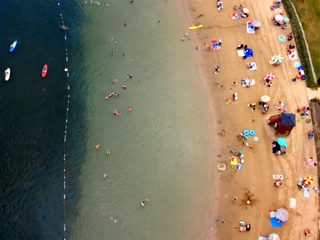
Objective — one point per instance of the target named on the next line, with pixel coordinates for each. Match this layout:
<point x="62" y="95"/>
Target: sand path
<point x="260" y="164"/>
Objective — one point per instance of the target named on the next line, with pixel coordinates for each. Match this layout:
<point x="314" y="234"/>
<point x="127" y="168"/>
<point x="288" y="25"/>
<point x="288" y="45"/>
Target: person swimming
<point x="130" y="75"/>
<point x="124" y="86"/>
<point x="142" y="204"/>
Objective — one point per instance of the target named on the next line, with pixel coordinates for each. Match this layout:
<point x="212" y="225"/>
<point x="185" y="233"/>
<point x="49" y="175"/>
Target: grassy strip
<point x="301" y="46"/>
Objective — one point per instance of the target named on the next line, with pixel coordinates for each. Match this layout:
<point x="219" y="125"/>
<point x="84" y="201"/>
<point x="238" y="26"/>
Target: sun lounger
<point x="306" y="193"/>
<point x="250" y="28"/>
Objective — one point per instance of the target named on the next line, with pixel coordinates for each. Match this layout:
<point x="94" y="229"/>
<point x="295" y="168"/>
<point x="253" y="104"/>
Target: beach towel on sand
<point x="297" y="64"/>
<point x="282" y="38"/>
<point x="306" y="193"/>
<point x="293" y="55"/>
<point x="250" y="28"/>
<point x="276" y="223"/>
<point x="236" y="16"/>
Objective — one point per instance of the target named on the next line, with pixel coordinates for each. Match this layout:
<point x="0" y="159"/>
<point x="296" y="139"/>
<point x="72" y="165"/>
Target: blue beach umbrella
<point x="282" y="142"/>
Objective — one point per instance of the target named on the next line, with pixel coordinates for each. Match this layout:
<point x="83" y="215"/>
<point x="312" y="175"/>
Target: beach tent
<point x="284" y="122"/>
<point x="248" y="53"/>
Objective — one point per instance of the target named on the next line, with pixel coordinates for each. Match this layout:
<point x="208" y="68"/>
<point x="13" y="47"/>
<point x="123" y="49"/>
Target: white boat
<point x="7" y="74"/>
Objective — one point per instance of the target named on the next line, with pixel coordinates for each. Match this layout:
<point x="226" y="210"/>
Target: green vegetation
<point x="309" y="15"/>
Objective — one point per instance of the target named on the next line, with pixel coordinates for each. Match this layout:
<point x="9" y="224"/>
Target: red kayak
<point x="44" y="70"/>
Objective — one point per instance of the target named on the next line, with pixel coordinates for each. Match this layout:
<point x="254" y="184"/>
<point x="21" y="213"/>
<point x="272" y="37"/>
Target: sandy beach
<point x="260" y="163"/>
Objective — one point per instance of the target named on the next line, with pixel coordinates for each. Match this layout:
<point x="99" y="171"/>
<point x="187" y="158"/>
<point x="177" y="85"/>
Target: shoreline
<point x="260" y="163"/>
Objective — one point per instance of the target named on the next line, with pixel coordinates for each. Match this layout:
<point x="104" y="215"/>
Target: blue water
<point x="32" y="117"/>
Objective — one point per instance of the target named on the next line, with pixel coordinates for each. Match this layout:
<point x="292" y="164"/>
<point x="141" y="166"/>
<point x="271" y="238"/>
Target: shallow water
<point x="160" y="150"/>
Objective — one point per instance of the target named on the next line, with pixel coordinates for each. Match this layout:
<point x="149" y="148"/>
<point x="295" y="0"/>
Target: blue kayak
<point x="13" y="46"/>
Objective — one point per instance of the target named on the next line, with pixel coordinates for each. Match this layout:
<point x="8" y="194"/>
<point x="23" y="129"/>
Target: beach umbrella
<point x="278" y="17"/>
<point x="270" y="76"/>
<point x="286" y="20"/>
<point x="278" y="59"/>
<point x="282" y="215"/>
<point x="245" y="10"/>
<point x="282" y="142"/>
<point x="265" y="98"/>
<point x="273" y="236"/>
<point x="256" y="23"/>
<point x="308" y="180"/>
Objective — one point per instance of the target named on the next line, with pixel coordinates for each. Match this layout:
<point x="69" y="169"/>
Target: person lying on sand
<point x="240" y="46"/>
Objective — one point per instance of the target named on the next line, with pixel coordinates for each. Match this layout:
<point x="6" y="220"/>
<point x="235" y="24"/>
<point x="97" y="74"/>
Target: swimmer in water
<point x="115" y="112"/>
<point x="116" y="95"/>
<point x="112" y="53"/>
<point x="129" y="109"/>
<point x="125" y="23"/>
<point x="130" y="75"/>
<point x="124" y="86"/>
<point x="142" y="204"/>
<point x="106" y="4"/>
<point x="158" y="21"/>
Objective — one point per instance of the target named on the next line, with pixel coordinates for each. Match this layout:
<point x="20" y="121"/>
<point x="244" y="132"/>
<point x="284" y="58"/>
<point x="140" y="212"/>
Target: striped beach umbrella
<point x="308" y="180"/>
<point x="278" y="59"/>
<point x="270" y="76"/>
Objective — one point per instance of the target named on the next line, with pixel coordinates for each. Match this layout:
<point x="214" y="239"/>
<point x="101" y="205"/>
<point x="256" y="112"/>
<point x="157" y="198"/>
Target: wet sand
<point x="260" y="163"/>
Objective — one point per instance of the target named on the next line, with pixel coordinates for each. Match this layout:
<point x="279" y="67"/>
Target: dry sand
<point x="260" y="164"/>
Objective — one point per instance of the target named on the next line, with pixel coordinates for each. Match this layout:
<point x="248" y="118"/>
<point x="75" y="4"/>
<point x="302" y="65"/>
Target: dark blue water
<point x="32" y="117"/>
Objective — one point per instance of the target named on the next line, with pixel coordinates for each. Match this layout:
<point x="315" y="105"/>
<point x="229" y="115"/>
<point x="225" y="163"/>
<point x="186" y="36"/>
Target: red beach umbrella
<point x="270" y="76"/>
<point x="308" y="180"/>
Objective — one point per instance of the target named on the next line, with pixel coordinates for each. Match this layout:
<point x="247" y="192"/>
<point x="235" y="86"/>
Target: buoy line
<point x="65" y="131"/>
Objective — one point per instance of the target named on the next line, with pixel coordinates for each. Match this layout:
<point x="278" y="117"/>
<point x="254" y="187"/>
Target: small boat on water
<point x="44" y="70"/>
<point x="64" y="27"/>
<point x="13" y="46"/>
<point x="195" y="27"/>
<point x="7" y="74"/>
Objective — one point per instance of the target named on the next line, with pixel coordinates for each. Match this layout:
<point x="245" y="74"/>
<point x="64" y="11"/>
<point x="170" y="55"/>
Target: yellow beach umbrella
<point x="265" y="98"/>
<point x="308" y="180"/>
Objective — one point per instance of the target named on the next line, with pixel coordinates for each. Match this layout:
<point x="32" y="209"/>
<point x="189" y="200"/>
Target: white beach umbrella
<point x="256" y="23"/>
<point x="278" y="17"/>
<point x="245" y="10"/>
<point x="265" y="98"/>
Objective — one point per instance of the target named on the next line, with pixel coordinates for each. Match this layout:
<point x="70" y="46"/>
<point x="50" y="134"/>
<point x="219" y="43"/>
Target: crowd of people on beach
<point x="279" y="20"/>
